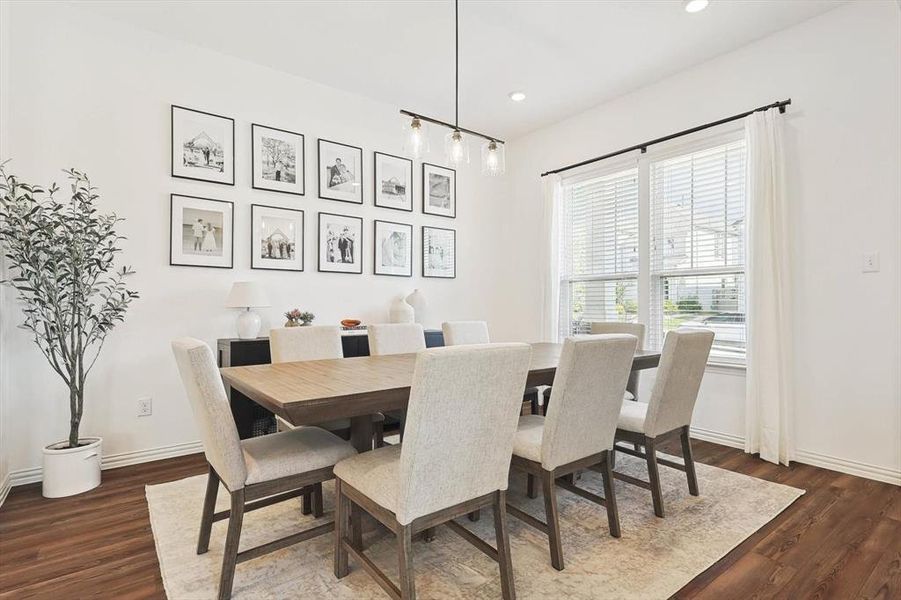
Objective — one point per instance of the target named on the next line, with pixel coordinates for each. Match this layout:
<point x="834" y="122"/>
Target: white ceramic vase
<point x="70" y="471"/>
<point x="400" y="311"/>
<point x="417" y="301"/>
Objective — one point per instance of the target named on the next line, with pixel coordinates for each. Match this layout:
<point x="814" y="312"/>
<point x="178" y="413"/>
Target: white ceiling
<point x="567" y="56"/>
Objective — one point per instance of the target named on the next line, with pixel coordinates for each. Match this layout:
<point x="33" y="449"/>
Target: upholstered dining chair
<point x="257" y="472"/>
<point x="668" y="412"/>
<point x="396" y="338"/>
<point x="602" y="327"/>
<point x="446" y="467"/>
<point x="577" y="432"/>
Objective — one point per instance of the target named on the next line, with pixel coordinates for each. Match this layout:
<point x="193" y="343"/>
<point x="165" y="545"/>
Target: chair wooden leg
<point x="342" y="515"/>
<point x="356" y="526"/>
<point x="552" y="519"/>
<point x="531" y="490"/>
<point x="405" y="562"/>
<point x="610" y="496"/>
<point x="209" y="507"/>
<point x="306" y="506"/>
<point x="689" y="460"/>
<point x="317" y="500"/>
<point x="650" y="448"/>
<point x="230" y="557"/>
<point x="475" y="515"/>
<point x="378" y="433"/>
<point x="503" y="546"/>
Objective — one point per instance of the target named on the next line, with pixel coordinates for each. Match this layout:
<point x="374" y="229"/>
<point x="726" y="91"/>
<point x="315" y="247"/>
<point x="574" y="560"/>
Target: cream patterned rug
<point x="654" y="557"/>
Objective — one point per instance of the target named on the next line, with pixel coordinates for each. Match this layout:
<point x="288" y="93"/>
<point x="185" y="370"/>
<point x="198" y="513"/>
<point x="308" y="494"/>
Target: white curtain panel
<point x="552" y="204"/>
<point x="769" y="402"/>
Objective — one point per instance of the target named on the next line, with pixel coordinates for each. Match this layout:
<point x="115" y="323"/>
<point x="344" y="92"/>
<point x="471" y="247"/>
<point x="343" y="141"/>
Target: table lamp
<point x="247" y="295"/>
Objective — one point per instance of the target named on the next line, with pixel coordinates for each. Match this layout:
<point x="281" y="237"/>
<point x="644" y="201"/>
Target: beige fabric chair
<point x="636" y="329"/>
<point x="446" y="466"/>
<point x="457" y="333"/>
<point x="395" y="338"/>
<point x="668" y="414"/>
<point x="257" y="472"/>
<point x="578" y="430"/>
<point x="316" y="342"/>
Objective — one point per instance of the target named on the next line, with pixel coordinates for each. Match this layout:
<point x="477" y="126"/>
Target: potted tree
<point x="60" y="258"/>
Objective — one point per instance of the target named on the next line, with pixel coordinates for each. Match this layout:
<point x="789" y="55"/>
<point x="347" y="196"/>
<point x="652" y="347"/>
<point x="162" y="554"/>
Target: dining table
<point x="316" y="391"/>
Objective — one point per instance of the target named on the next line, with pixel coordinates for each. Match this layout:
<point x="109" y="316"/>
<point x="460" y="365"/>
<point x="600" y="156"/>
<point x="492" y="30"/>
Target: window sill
<point x="727" y="368"/>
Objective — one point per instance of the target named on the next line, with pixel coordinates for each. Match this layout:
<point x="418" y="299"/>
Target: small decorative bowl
<point x="350" y="322"/>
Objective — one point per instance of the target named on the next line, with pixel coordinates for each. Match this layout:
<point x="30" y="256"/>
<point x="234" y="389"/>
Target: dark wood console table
<point x="252" y="419"/>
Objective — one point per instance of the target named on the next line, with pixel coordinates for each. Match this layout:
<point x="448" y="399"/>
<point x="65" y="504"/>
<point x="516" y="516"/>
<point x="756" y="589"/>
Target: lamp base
<point x="248" y="325"/>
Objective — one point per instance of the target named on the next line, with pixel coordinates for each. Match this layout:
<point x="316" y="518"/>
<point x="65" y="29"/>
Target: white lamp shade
<point x="246" y="294"/>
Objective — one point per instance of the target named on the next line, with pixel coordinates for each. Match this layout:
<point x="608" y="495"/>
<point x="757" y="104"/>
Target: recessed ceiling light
<point x="517" y="96"/>
<point x="694" y="6"/>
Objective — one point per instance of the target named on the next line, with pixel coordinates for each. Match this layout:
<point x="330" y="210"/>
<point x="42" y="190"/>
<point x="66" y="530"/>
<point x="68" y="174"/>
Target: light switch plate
<point x="870" y="262"/>
<point x="145" y="406"/>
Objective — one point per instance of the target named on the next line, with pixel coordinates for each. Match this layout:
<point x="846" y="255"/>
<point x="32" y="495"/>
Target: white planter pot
<point x="69" y="471"/>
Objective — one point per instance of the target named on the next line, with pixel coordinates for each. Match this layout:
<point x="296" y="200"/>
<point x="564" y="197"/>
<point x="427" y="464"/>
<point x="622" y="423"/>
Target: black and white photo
<point x="439" y="252"/>
<point x="439" y="191"/>
<point x="277" y="238"/>
<point x="340" y="243"/>
<point x="201" y="232"/>
<point x="203" y="146"/>
<point x="340" y="172"/>
<point x="278" y="160"/>
<point x="393" y="182"/>
<point x="393" y="249"/>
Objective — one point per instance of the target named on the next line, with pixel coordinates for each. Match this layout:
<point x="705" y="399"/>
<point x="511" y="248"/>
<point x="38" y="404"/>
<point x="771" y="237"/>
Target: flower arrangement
<point x="296" y="317"/>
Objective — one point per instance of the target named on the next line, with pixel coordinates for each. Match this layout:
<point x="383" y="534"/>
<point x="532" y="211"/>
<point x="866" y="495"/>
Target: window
<point x="681" y="215"/>
<point x="600" y="251"/>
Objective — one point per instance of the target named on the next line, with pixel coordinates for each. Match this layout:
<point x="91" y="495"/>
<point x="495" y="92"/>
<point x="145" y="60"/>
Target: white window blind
<point x="599" y="250"/>
<point x="697" y="257"/>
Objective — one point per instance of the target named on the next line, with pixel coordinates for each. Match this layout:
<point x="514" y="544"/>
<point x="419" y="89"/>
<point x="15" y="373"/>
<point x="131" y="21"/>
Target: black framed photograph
<point x="340" y="172"/>
<point x="393" y="249"/>
<point x="393" y="182"/>
<point x="340" y="243"/>
<point x="203" y="146"/>
<point x="439" y="252"/>
<point x="276" y="238"/>
<point x="439" y="191"/>
<point x="278" y="160"/>
<point x="201" y="232"/>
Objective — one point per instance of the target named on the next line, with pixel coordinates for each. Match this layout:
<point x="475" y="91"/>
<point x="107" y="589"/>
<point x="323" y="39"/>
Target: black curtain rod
<point x="644" y="147"/>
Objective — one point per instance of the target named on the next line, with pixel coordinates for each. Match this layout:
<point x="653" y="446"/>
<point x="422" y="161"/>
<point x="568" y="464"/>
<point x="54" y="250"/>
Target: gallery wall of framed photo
<point x="203" y="229"/>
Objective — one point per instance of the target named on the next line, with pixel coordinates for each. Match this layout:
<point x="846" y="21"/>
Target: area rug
<point x="654" y="557"/>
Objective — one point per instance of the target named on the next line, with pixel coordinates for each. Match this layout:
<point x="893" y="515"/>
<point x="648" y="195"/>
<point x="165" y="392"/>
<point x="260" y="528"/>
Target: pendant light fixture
<point x="456" y="142"/>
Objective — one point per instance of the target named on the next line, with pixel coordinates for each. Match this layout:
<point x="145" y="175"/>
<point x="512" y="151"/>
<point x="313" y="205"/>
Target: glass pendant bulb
<point x="493" y="162"/>
<point x="416" y="138"/>
<point x="456" y="148"/>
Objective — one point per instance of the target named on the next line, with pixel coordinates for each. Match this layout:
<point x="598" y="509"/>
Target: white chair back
<point x="682" y="365"/>
<point x="290" y="344"/>
<point x="457" y="333"/>
<point x="395" y="338"/>
<point x="636" y="329"/>
<point x="211" y="409"/>
<point x="446" y="459"/>
<point x="586" y="397"/>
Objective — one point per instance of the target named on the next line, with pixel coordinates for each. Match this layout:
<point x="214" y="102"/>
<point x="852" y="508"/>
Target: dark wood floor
<point x="840" y="540"/>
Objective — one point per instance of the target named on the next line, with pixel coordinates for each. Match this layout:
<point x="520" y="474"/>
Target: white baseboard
<point x="5" y="486"/>
<point x="806" y="457"/>
<point x="724" y="439"/>
<point x="114" y="461"/>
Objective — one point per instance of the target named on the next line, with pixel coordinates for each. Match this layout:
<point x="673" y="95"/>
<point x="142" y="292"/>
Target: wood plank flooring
<point x="842" y="539"/>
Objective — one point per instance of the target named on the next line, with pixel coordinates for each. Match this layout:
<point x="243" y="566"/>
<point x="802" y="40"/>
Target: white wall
<point x="844" y="129"/>
<point x="4" y="148"/>
<point x="95" y="95"/>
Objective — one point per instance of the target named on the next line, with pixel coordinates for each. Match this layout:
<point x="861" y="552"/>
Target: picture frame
<point x="203" y="146"/>
<point x="392" y="248"/>
<point x="439" y="252"/>
<point x="340" y="243"/>
<point x="439" y="191"/>
<point x="201" y="232"/>
<point x="277" y="160"/>
<point x="392" y="182"/>
<point x="276" y="238"/>
<point x="340" y="172"/>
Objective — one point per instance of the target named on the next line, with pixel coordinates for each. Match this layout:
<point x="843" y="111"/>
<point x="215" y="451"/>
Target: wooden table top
<point x="321" y="390"/>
